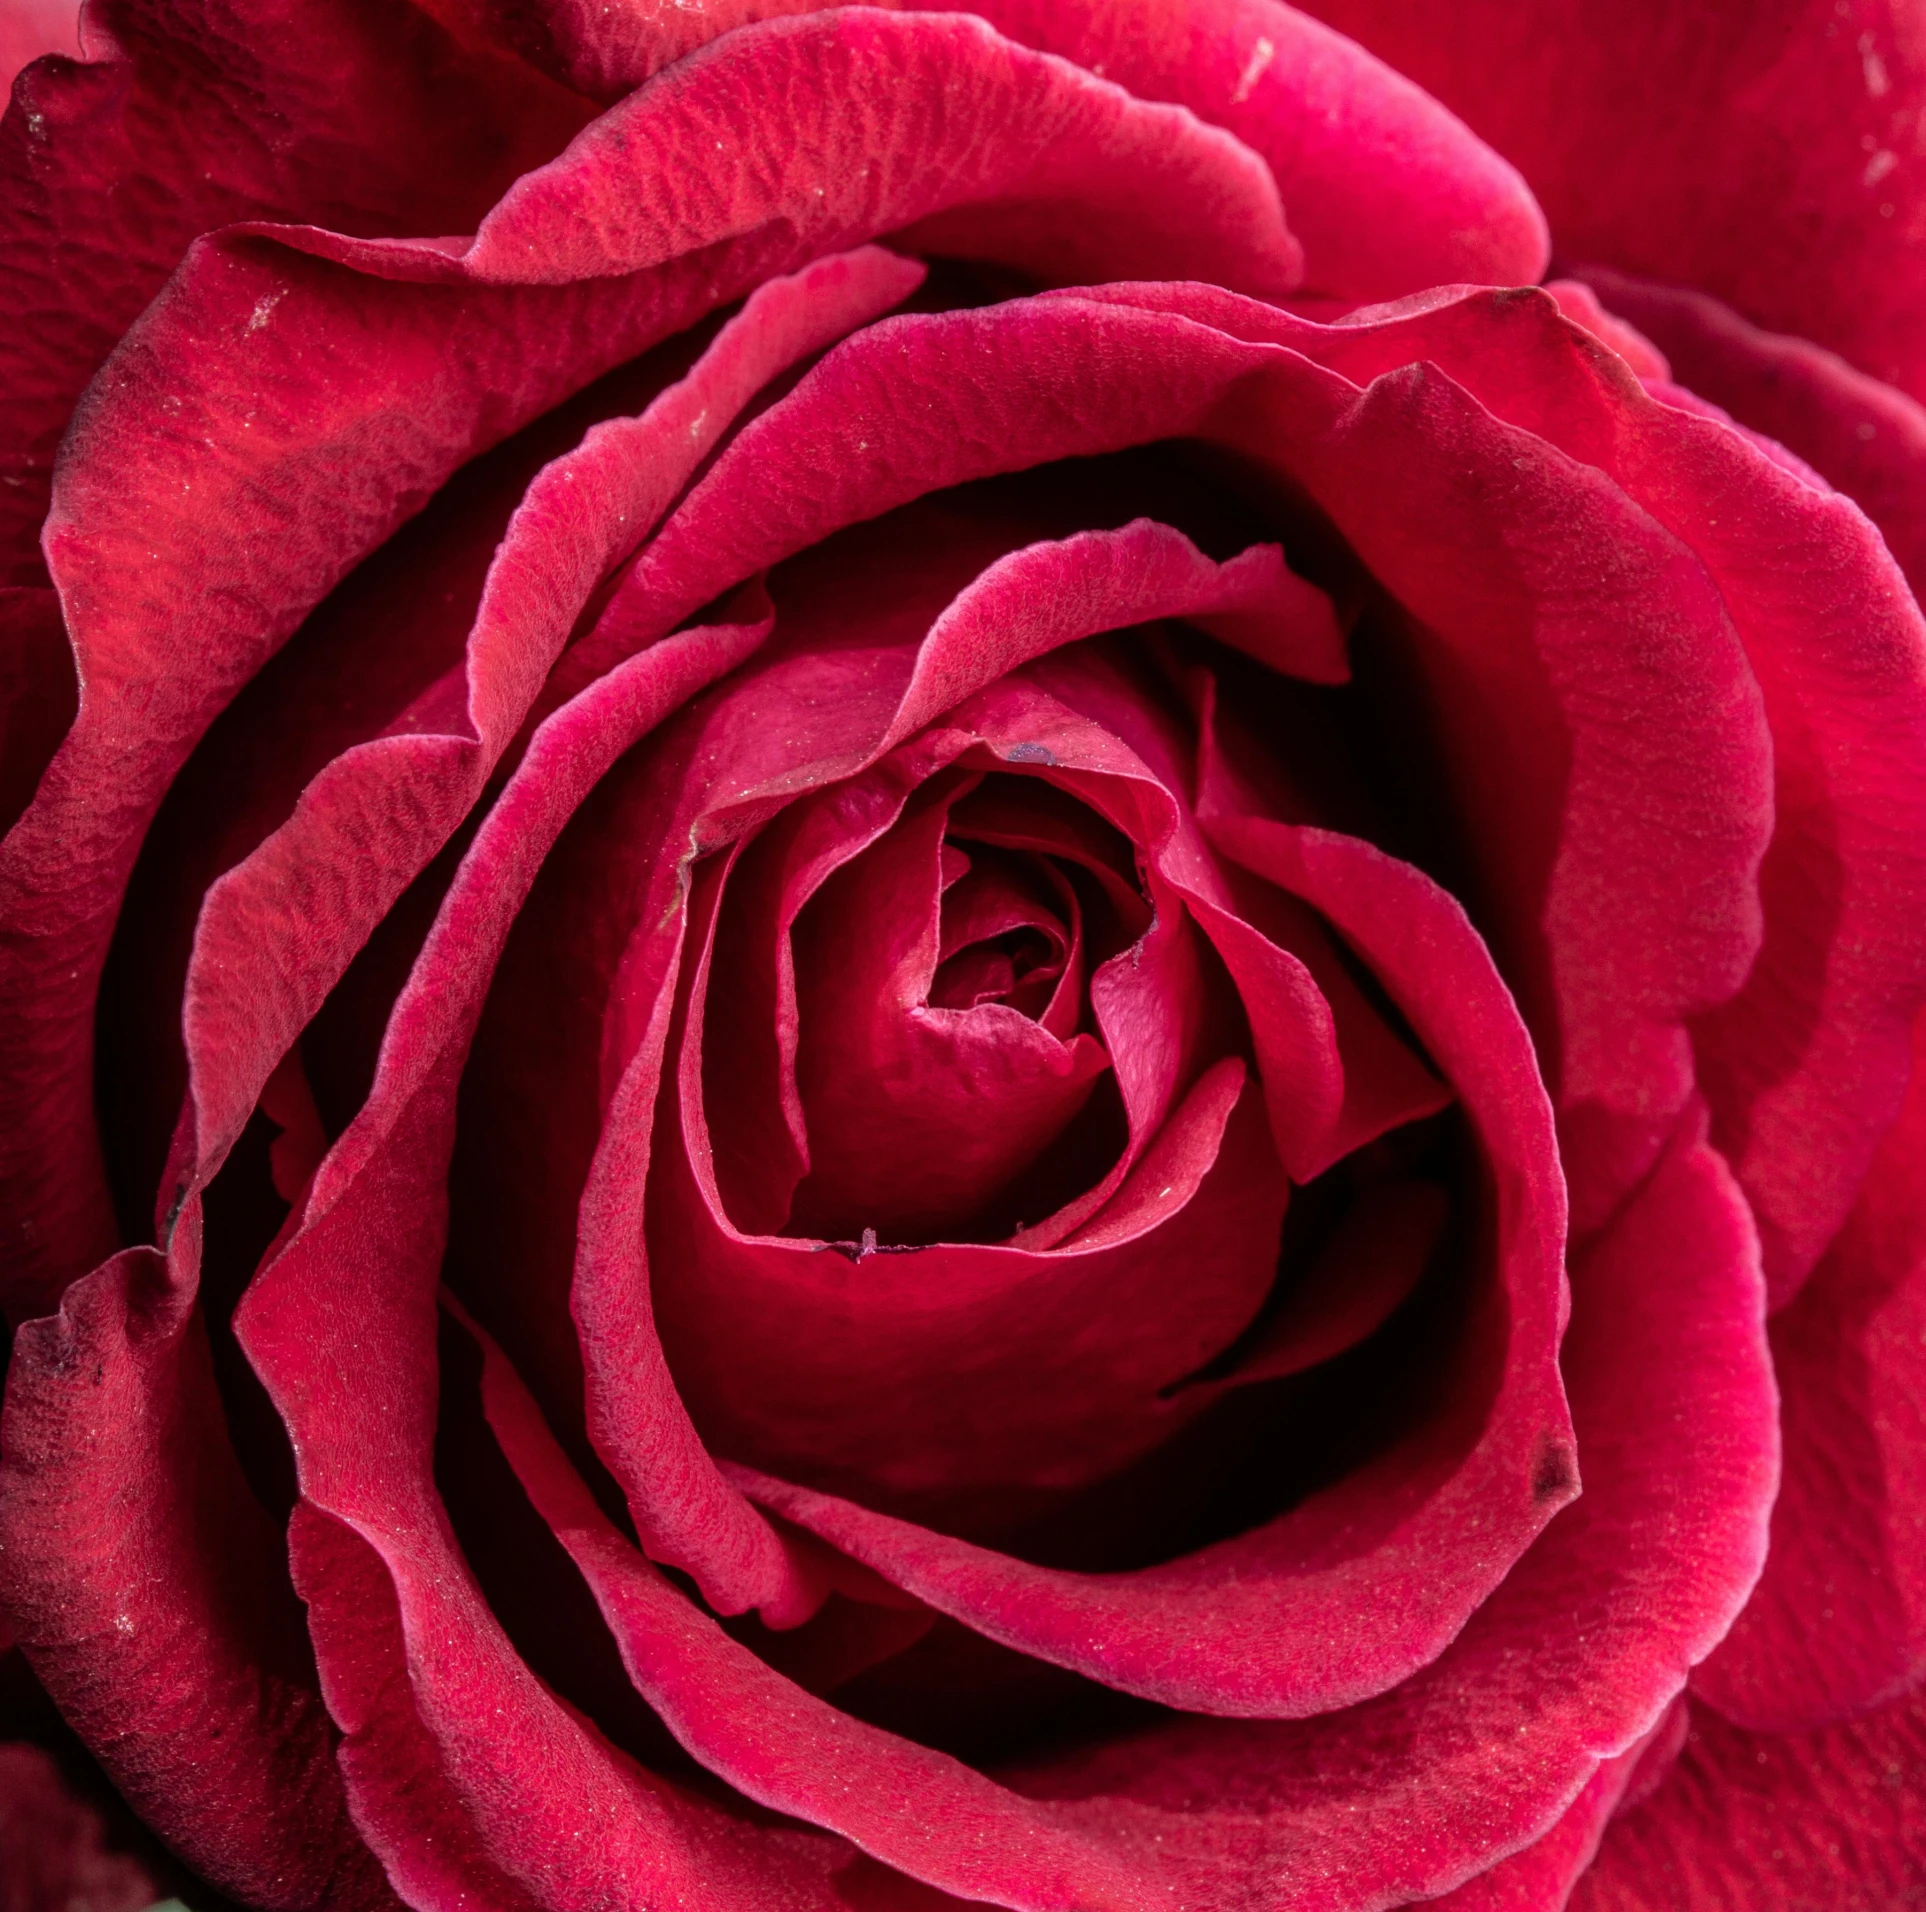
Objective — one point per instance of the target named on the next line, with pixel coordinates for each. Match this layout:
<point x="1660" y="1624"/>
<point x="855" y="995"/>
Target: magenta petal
<point x="471" y="1779"/>
<point x="276" y="932"/>
<point x="1838" y="1622"/>
<point x="1538" y="1878"/>
<point x="954" y="1374"/>
<point x="915" y="1115"/>
<point x="191" y="114"/>
<point x="989" y="150"/>
<point x="1710" y="147"/>
<point x="151" y="1595"/>
<point x="1394" y="192"/>
<point x="36" y="27"/>
<point x="1570" y="1661"/>
<point x="53" y="1849"/>
<point x="801" y="1756"/>
<point x="345" y="1289"/>
<point x="142" y="544"/>
<point x="1865" y="438"/>
<point x="37" y="693"/>
<point x="1775" y="1823"/>
<point x="1803" y="1067"/>
<point x="1270" y="1624"/>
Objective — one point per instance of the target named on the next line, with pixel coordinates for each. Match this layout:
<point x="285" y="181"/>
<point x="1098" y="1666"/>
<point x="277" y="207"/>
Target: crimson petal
<point x="1288" y="1620"/>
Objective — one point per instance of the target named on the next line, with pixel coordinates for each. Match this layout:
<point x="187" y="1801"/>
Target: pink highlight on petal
<point x="1393" y="192"/>
<point x="1225" y="1630"/>
<point x="1837" y="1625"/>
<point x="1774" y="1822"/>
<point x="800" y="1755"/>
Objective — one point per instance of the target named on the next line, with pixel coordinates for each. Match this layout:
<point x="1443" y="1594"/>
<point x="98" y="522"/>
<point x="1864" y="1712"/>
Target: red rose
<point x="925" y="1001"/>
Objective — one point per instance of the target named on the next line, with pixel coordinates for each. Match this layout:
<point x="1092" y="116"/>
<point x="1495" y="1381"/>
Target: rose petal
<point x="941" y="107"/>
<point x="1711" y="147"/>
<point x="801" y="1756"/>
<point x="37" y="693"/>
<point x="1538" y="1878"/>
<point x="1774" y="1823"/>
<point x="1804" y="1067"/>
<point x="36" y="27"/>
<point x="369" y="1466"/>
<point x="1288" y="1620"/>
<point x="192" y="115"/>
<point x="932" y="1371"/>
<point x="1865" y="438"/>
<point x="1838" y="1623"/>
<point x="1394" y="193"/>
<point x="842" y="709"/>
<point x="1574" y="1657"/>
<point x="915" y="1116"/>
<point x="149" y="1588"/>
<point x="322" y="468"/>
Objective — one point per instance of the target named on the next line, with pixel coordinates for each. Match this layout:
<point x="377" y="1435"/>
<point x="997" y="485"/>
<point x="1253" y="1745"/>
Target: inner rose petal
<point x="917" y="1115"/>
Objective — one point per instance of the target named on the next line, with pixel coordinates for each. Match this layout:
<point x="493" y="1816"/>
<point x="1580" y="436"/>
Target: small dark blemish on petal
<point x="1556" y="1474"/>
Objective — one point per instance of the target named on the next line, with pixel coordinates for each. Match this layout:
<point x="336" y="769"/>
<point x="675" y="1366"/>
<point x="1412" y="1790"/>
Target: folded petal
<point x="189" y="117"/>
<point x="1225" y="1630"/>
<point x="1073" y="175"/>
<point x="1570" y="1662"/>
<point x="1779" y="1823"/>
<point x="1723" y="149"/>
<point x="1393" y="192"/>
<point x="151" y="1593"/>
<point x="1863" y="437"/>
<point x="1838" y="1623"/>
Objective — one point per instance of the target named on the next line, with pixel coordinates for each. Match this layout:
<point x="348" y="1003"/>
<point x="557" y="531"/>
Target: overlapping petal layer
<point x="1764" y="143"/>
<point x="989" y="1045"/>
<point x="1774" y="1821"/>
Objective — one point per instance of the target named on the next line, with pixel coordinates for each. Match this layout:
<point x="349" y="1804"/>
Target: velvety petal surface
<point x="368" y="116"/>
<point x="1804" y="1066"/>
<point x="482" y="1719"/>
<point x="1777" y="1822"/>
<point x="929" y="114"/>
<point x="1393" y="193"/>
<point x="150" y="1593"/>
<point x="1772" y="157"/>
<point x="1540" y="1877"/>
<point x="1424" y="1535"/>
<point x="1866" y="438"/>
<point x="1838" y="1623"/>
<point x="1571" y="1661"/>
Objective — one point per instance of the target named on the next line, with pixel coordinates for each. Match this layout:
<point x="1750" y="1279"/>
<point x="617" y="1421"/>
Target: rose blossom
<point x="963" y="989"/>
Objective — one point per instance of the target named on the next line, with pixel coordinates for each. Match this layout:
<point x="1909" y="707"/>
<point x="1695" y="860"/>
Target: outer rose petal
<point x="150" y="1593"/>
<point x="30" y="28"/>
<point x="195" y="114"/>
<point x="1838" y="1623"/>
<point x="1795" y="1823"/>
<point x="1393" y="193"/>
<point x="363" y="1443"/>
<point x="1774" y="155"/>
<point x="940" y="107"/>
<point x="231" y="1064"/>
<point x="1537" y="1878"/>
<point x="1805" y="1066"/>
<point x="162" y="620"/>
<point x="1866" y="438"/>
